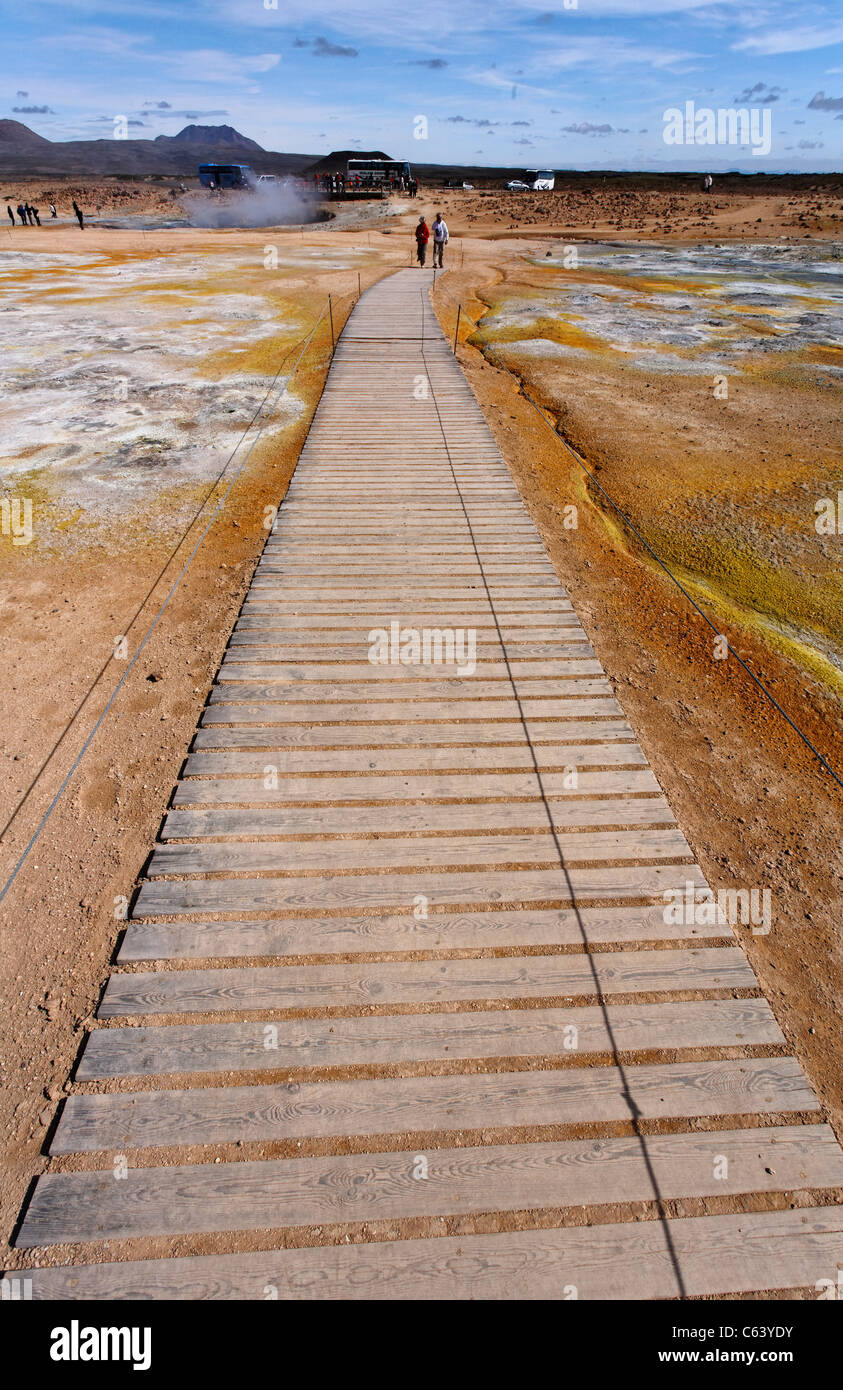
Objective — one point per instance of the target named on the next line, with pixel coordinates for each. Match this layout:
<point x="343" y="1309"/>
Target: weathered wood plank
<point x="429" y="1104"/>
<point x="487" y="669"/>
<point x="269" y="987"/>
<point x="438" y="852"/>
<point x="717" y="1255"/>
<point x="356" y="647"/>
<point x="373" y="735"/>
<point x="429" y="1037"/>
<point x="391" y="891"/>
<point x="285" y="712"/>
<point x="279" y="1193"/>
<point x="427" y="759"/>
<point x="325" y="936"/>
<point x="410" y="786"/>
<point x="564" y="816"/>
<point x="464" y="693"/>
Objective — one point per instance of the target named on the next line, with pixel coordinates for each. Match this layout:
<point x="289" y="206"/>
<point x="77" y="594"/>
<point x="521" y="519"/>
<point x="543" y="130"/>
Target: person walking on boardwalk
<point x="440" y="237"/>
<point x="79" y="218"/>
<point x="422" y="238"/>
<point x="53" y="212"/>
<point x="11" y="215"/>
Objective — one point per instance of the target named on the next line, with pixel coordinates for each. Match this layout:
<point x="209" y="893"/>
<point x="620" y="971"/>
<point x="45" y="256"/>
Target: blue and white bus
<point x="384" y="171"/>
<point x="227" y="176"/>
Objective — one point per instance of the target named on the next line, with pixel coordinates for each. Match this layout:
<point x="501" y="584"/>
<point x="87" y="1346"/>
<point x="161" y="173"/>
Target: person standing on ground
<point x="440" y="237"/>
<point x="79" y="218"/>
<point x="53" y="212"/>
<point x="11" y="215"/>
<point x="30" y="212"/>
<point x="34" y="212"/>
<point x="422" y="238"/>
<point x="22" y="214"/>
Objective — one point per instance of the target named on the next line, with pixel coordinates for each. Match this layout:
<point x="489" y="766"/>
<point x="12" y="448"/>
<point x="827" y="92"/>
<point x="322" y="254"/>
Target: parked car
<point x="517" y="186"/>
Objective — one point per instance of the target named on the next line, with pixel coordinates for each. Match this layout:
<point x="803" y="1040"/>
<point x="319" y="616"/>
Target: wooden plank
<point x="293" y="1192"/>
<point x="709" y="1255"/>
<point x="395" y="891"/>
<point x="564" y="816"/>
<point x="460" y="851"/>
<point x="407" y="551"/>
<point x="326" y="936"/>
<point x="315" y="626"/>
<point x="398" y="591"/>
<point x="415" y="786"/>
<point x="429" y="1037"/>
<point x="427" y="759"/>
<point x="285" y="713"/>
<point x="524" y="549"/>
<point x="355" y="647"/>
<point x="269" y="987"/>
<point x="374" y="735"/>
<point x="577" y="688"/>
<point x="431" y="1104"/>
<point x="402" y="590"/>
<point x="315" y="530"/>
<point x="343" y="632"/>
<point x="354" y="606"/>
<point x="487" y="668"/>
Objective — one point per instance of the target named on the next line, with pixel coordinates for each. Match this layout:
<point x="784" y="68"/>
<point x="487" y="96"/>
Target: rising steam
<point x="268" y="205"/>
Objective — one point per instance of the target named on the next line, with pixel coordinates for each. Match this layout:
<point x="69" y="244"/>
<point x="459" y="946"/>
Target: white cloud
<point x="216" y="65"/>
<point x="790" y="40"/>
<point x="605" y="52"/>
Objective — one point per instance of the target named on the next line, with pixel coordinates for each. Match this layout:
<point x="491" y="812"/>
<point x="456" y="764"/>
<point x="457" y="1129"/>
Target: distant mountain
<point x="22" y="152"/>
<point x="209" y="135"/>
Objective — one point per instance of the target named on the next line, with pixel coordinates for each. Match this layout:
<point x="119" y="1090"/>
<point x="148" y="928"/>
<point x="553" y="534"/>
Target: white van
<point x="543" y="179"/>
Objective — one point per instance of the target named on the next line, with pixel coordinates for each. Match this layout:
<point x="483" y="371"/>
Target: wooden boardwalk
<point x="398" y="1013"/>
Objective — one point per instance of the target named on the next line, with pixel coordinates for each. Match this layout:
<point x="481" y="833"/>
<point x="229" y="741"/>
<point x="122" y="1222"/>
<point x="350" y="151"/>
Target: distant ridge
<point x="22" y="151"/>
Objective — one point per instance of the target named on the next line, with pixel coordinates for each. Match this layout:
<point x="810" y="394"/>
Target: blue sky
<point x="524" y="83"/>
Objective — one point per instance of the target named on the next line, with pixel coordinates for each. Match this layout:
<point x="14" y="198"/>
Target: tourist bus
<point x="390" y="171"/>
<point x="227" y="176"/>
<point x="540" y="178"/>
